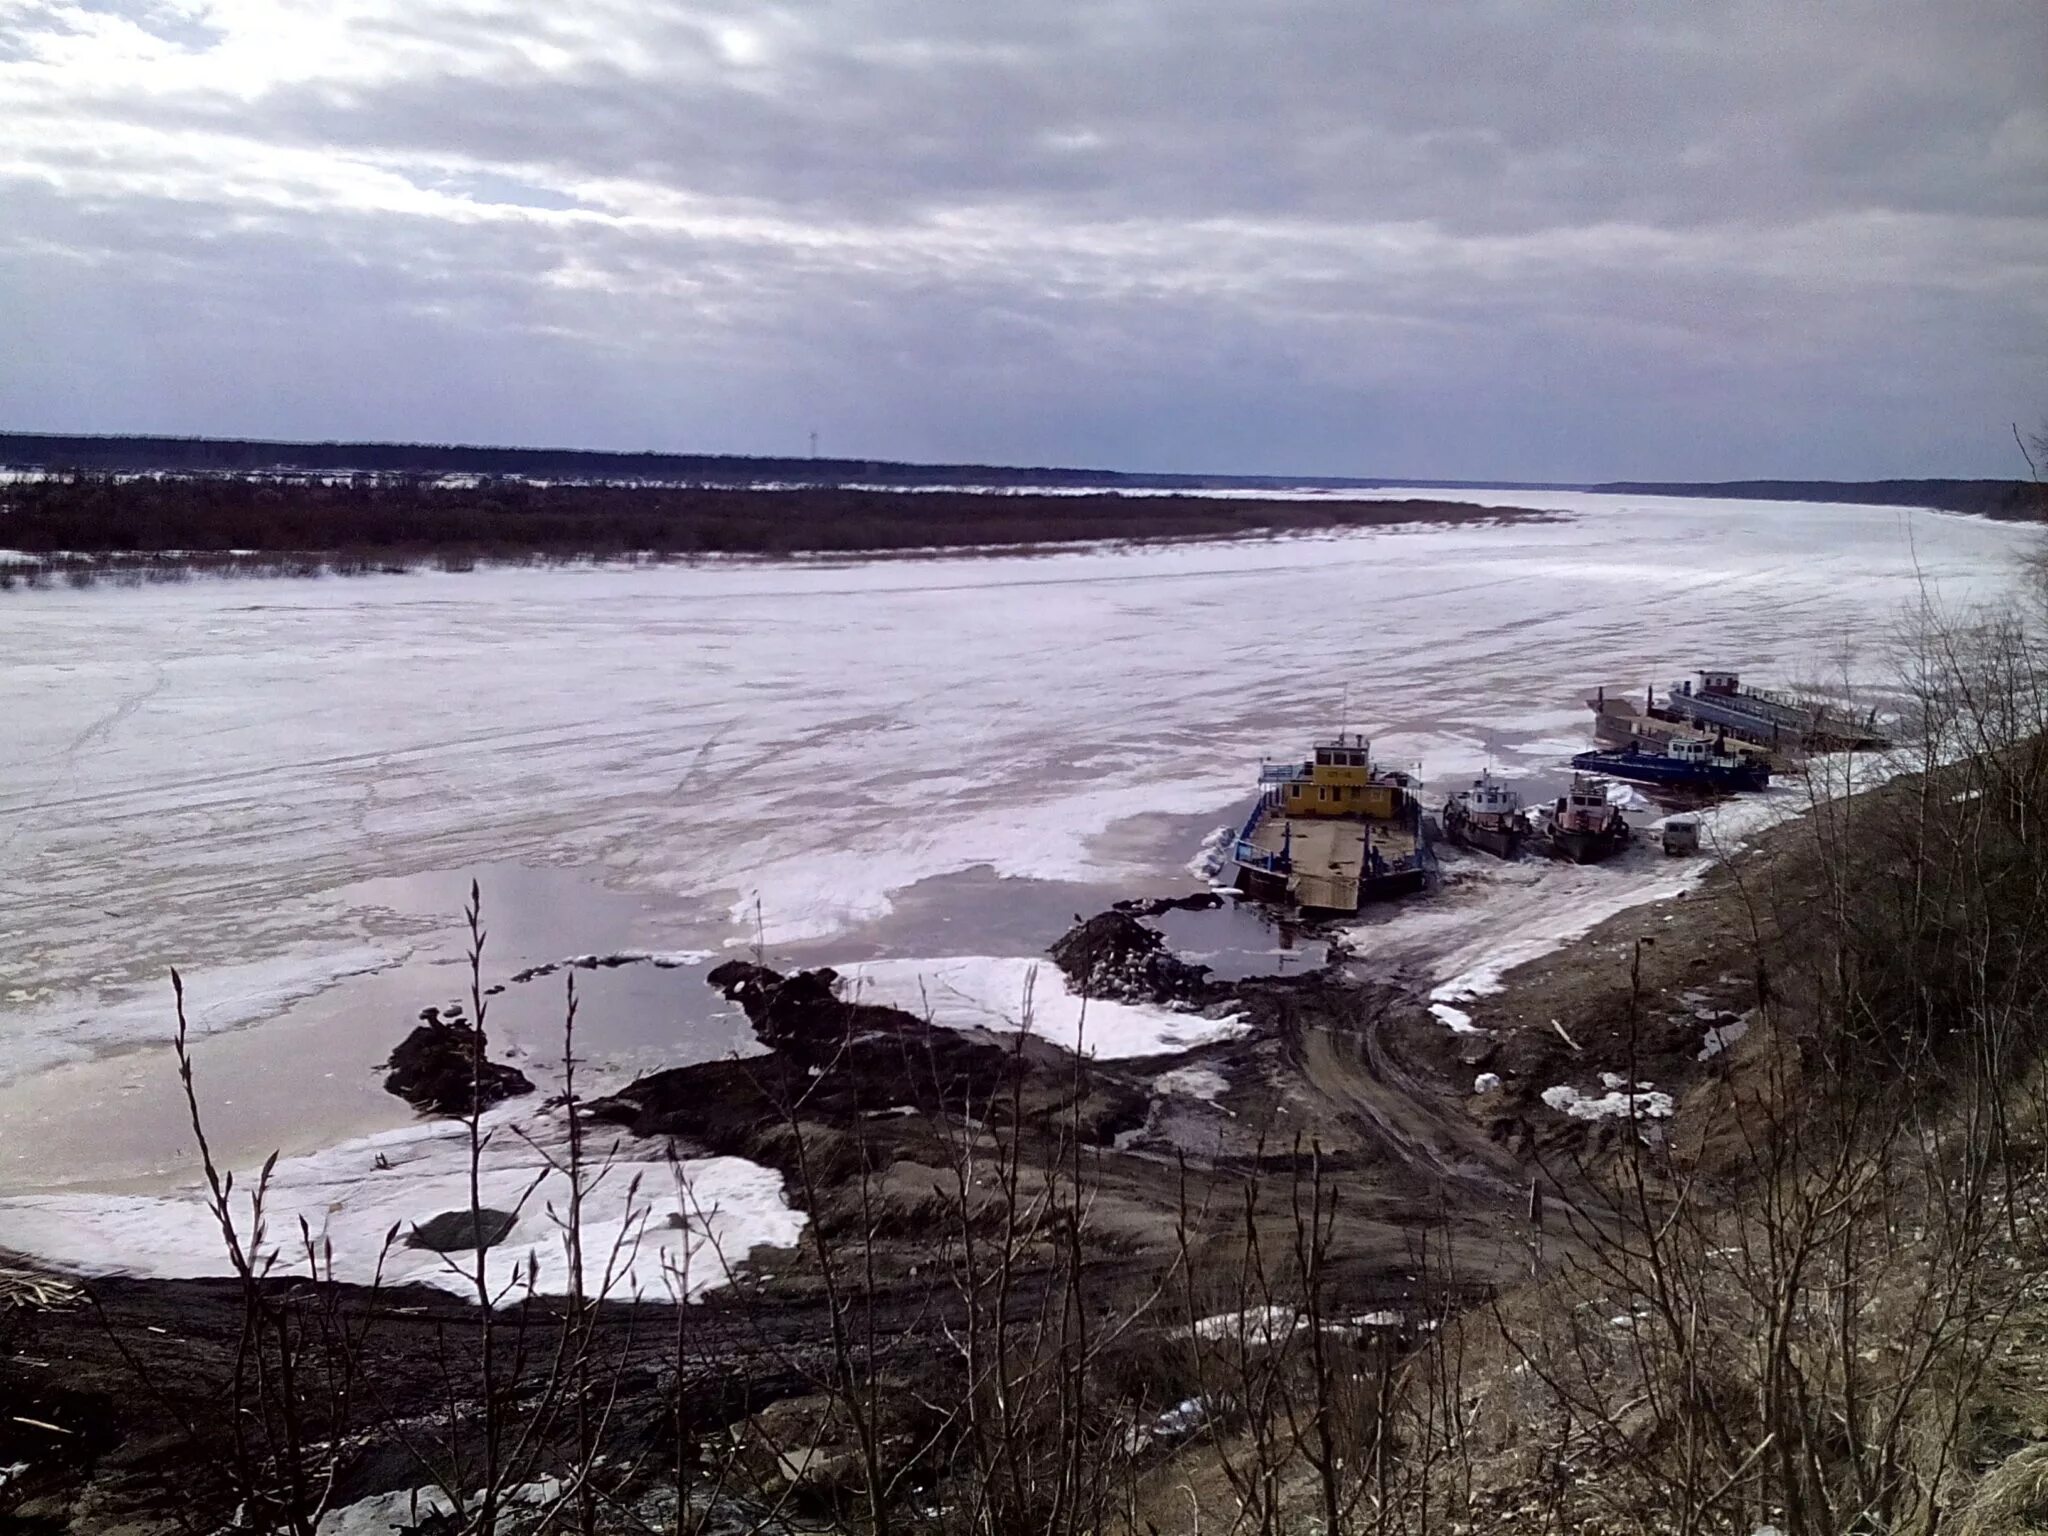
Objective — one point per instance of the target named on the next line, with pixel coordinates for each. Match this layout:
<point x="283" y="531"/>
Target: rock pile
<point x="434" y="1069"/>
<point x="1113" y="955"/>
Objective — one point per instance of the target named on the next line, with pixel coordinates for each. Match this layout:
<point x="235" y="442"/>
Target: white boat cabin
<point x="1703" y="750"/>
<point x="1584" y="807"/>
<point x="1489" y="797"/>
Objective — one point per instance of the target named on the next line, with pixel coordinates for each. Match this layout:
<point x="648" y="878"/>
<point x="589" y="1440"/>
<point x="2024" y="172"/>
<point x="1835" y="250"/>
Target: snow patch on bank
<point x="1006" y="994"/>
<point x="1623" y="1100"/>
<point x="383" y="1513"/>
<point x="1720" y="1037"/>
<point x="1272" y="1325"/>
<point x="1457" y="1020"/>
<point x="1203" y="1083"/>
<point x="650" y="1229"/>
<point x="1518" y="912"/>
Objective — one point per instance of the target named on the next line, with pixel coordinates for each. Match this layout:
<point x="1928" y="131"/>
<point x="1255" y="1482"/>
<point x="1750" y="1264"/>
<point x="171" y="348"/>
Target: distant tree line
<point x="215" y="455"/>
<point x="369" y="517"/>
<point x="245" y="456"/>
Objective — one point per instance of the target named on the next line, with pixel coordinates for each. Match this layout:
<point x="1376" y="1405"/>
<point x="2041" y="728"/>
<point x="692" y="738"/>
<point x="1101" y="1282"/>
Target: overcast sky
<point x="1565" y="240"/>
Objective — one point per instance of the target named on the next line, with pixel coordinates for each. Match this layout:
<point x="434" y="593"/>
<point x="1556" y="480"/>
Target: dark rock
<point x="434" y="1071"/>
<point x="456" y="1231"/>
<point x="1201" y="901"/>
<point x="1113" y="955"/>
<point x="842" y="1075"/>
<point x="1478" y="1053"/>
<point x="803" y="1015"/>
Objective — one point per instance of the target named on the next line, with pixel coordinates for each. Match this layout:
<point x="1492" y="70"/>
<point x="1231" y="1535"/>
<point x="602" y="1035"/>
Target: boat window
<point x="1322" y="793"/>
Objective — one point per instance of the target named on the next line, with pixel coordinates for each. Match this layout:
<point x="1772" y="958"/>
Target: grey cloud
<point x="1553" y="240"/>
<point x="1483" y="118"/>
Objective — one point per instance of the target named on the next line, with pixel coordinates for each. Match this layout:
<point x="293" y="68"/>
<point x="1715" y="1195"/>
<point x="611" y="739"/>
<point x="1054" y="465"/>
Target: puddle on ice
<point x="304" y="1075"/>
<point x="979" y="912"/>
<point x="1241" y="939"/>
<point x="974" y="912"/>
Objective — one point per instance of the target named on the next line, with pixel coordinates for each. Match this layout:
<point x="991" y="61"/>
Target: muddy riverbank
<point x="906" y="1144"/>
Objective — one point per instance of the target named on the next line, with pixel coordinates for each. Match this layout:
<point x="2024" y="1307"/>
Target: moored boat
<point x="1488" y="816"/>
<point x="1685" y="762"/>
<point x="1620" y="722"/>
<point x="1331" y="833"/>
<point x="1720" y="701"/>
<point x="1583" y="825"/>
<point x="1780" y="728"/>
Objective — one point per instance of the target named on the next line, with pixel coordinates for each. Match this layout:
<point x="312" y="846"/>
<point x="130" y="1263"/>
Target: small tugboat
<point x="1331" y="833"/>
<point x="1686" y="762"/>
<point x="1582" y="826"/>
<point x="1487" y="816"/>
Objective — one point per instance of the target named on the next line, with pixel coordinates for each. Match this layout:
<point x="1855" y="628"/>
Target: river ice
<point x="650" y="1228"/>
<point x="1002" y="995"/>
<point x="234" y="777"/>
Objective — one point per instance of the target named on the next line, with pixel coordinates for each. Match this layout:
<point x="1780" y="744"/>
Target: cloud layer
<point x="1553" y="239"/>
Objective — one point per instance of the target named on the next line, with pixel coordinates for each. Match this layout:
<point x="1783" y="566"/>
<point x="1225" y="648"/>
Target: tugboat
<point x="1582" y="826"/>
<point x="1332" y="833"/>
<point x="1487" y="816"/>
<point x="1687" y="762"/>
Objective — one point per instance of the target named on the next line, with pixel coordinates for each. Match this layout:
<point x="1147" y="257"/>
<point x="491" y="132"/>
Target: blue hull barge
<point x="1687" y="762"/>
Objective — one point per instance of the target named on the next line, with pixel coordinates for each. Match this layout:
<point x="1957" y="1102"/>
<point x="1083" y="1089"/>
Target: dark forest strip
<point x="375" y="520"/>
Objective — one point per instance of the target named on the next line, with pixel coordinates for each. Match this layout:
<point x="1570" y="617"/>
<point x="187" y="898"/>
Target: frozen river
<point x="283" y="787"/>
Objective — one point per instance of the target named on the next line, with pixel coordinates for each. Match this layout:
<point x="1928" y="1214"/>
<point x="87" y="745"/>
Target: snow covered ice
<point x="191" y="773"/>
<point x="222" y="775"/>
<point x="1005" y="995"/>
<point x="649" y="1229"/>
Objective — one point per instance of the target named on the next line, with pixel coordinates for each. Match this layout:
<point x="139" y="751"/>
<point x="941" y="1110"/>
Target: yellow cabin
<point x="1339" y="781"/>
<point x="1331" y="832"/>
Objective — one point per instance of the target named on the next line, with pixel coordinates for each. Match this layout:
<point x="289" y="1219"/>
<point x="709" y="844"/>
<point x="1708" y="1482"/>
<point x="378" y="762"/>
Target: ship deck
<point x="1329" y="854"/>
